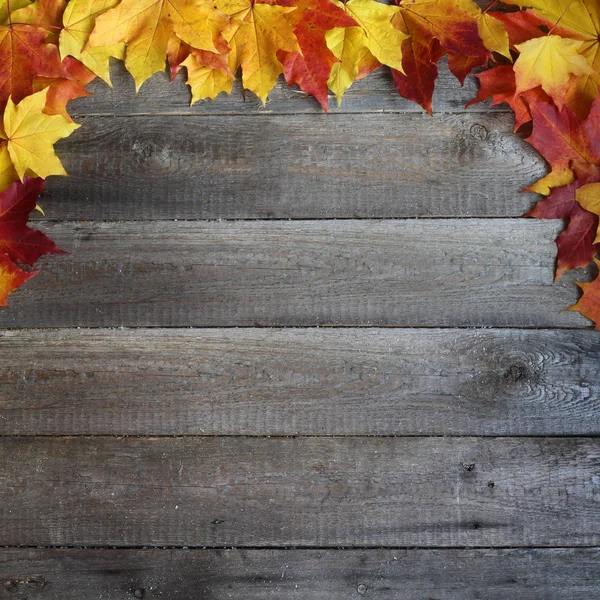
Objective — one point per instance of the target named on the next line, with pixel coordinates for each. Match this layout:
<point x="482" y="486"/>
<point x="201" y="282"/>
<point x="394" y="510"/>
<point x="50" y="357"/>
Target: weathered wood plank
<point x="466" y="272"/>
<point x="341" y="491"/>
<point x="537" y="574"/>
<point x="294" y="381"/>
<point x="375" y="93"/>
<point x="293" y="166"/>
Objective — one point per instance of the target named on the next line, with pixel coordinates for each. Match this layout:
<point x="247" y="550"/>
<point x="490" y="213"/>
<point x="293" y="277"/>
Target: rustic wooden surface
<point x="300" y="382"/>
<point x="396" y="453"/>
<point x="491" y="574"/>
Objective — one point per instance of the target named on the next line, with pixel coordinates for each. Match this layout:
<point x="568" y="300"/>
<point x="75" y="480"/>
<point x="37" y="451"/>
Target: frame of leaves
<point x="541" y="57"/>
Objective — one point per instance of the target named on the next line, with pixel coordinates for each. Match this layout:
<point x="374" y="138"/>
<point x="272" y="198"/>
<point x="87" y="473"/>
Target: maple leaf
<point x="589" y="303"/>
<point x="61" y="91"/>
<point x="576" y="244"/>
<point x="24" y="55"/>
<point x="11" y="277"/>
<point x="208" y="75"/>
<point x="29" y="136"/>
<point x="146" y="26"/>
<point x="79" y="20"/>
<point x="561" y="138"/>
<point x="311" y="67"/>
<point x="259" y="32"/>
<point x="588" y="196"/>
<point x="14" y="6"/>
<point x="580" y="20"/>
<point x="41" y="13"/>
<point x="17" y="241"/>
<point x="499" y="84"/>
<point x="493" y="34"/>
<point x="549" y="62"/>
<point x="572" y="147"/>
<point x="434" y="29"/>
<point x="374" y="38"/>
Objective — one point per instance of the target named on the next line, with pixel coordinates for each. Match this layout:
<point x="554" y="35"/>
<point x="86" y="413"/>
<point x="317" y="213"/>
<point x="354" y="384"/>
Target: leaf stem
<point x="559" y="18"/>
<point x="490" y="5"/>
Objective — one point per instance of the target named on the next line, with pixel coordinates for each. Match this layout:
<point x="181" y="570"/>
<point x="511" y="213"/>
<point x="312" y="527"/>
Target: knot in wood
<point x="361" y="589"/>
<point x="515" y="373"/>
<point x="479" y="132"/>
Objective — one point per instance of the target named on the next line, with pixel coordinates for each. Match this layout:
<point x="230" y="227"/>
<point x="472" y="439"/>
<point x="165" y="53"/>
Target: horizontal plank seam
<point x="269" y="114"/>
<point x="286" y="219"/>
<point x="302" y="548"/>
<point x="179" y="436"/>
<point x="305" y="327"/>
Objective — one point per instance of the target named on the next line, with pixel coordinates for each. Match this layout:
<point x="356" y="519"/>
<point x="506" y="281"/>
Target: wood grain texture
<point x="375" y="93"/>
<point x="537" y="574"/>
<point x="295" y="381"/>
<point x="466" y="273"/>
<point x="293" y="166"/>
<point x="261" y="492"/>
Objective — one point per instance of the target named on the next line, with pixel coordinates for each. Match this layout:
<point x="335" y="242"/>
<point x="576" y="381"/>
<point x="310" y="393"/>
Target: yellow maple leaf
<point x="493" y="34"/>
<point x="146" y="26"/>
<point x="258" y="32"/>
<point x="8" y="175"/>
<point x="206" y="81"/>
<point x="79" y="20"/>
<point x="582" y="18"/>
<point x="589" y="197"/>
<point x="375" y="37"/>
<point x="29" y="135"/>
<point x="549" y="62"/>
<point x="14" y="5"/>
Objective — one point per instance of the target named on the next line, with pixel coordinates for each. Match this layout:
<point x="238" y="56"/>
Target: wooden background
<point x="296" y="355"/>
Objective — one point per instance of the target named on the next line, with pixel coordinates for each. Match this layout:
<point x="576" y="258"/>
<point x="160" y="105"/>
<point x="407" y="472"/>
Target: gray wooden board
<point x="299" y="381"/>
<point x="293" y="166"/>
<point x="465" y="272"/>
<point x="325" y="491"/>
<point x="375" y="93"/>
<point x="536" y="574"/>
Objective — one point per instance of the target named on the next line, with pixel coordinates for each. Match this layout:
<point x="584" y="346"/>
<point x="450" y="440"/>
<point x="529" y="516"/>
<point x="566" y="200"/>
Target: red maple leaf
<point x="311" y="69"/>
<point x="24" y="55"/>
<point x="435" y="29"/>
<point x="17" y="241"/>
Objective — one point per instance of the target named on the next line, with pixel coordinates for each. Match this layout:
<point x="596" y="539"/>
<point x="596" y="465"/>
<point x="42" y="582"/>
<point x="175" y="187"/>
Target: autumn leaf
<point x="561" y="138"/>
<point x="434" y="29"/>
<point x="572" y="147"/>
<point x="588" y="196"/>
<point x="374" y="37"/>
<point x="14" y="6"/>
<point x="493" y="34"/>
<point x="579" y="20"/>
<point x="41" y="13"/>
<point x="576" y="244"/>
<point x="29" y="135"/>
<point x="259" y="32"/>
<point x="208" y="75"/>
<point x="11" y="278"/>
<point x="550" y="62"/>
<point x="21" y="243"/>
<point x="311" y="67"/>
<point x="24" y="55"/>
<point x="61" y="91"/>
<point x="146" y="26"/>
<point x="589" y="303"/>
<point x="499" y="84"/>
<point x="79" y="20"/>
